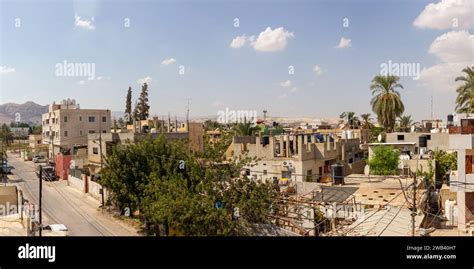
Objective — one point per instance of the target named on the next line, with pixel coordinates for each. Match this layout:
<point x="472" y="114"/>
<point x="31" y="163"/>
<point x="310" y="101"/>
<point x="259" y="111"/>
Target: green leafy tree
<point x="386" y="102"/>
<point x="465" y="98"/>
<point x="143" y="108"/>
<point x="210" y="125"/>
<point x="445" y="162"/>
<point x="190" y="193"/>
<point x="128" y="106"/>
<point x="385" y="161"/>
<point x="6" y="135"/>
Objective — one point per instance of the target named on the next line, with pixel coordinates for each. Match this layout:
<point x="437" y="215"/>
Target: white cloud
<point x="285" y="84"/>
<point x="282" y="96"/>
<point x="293" y="90"/>
<point x="168" y="61"/>
<point x="455" y="51"/>
<point x="238" y="42"/>
<point x="271" y="40"/>
<point x="81" y="82"/>
<point x="446" y="14"/>
<point x="344" y="43"/>
<point x="84" y="23"/>
<point x="6" y="70"/>
<point x="318" y="70"/>
<point x="146" y="80"/>
<point x="441" y="77"/>
<point x="454" y="46"/>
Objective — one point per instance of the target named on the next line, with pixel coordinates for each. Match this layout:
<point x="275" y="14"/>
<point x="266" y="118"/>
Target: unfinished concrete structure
<point x="299" y="157"/>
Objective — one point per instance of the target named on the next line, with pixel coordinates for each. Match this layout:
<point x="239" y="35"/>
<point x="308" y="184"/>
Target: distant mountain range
<point x="29" y="112"/>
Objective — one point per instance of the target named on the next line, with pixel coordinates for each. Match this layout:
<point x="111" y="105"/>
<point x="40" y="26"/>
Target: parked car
<point x="48" y="173"/>
<point x="55" y="230"/>
<point x="39" y="159"/>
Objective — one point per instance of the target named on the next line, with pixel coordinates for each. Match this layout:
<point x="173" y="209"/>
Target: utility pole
<point x="169" y="123"/>
<point x="40" y="226"/>
<point x="413" y="213"/>
<point x="187" y="115"/>
<point x="175" y="123"/>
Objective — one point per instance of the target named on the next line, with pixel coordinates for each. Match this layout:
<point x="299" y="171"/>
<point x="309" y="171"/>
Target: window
<point x="104" y="119"/>
<point x="92" y="119"/>
<point x="47" y="121"/>
<point x="65" y="133"/>
<point x="428" y="137"/>
<point x="95" y="150"/>
<point x="104" y="131"/>
<point x="309" y="175"/>
<point x="286" y="174"/>
<point x="80" y="118"/>
<point x="264" y="172"/>
<point x="400" y="137"/>
<point x="91" y="132"/>
<point x="65" y="118"/>
<point x="80" y="132"/>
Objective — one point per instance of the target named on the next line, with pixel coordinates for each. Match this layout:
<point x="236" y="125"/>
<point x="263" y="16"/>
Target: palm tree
<point x="405" y="122"/>
<point x="366" y="120"/>
<point x="386" y="103"/>
<point x="465" y="98"/>
<point x="350" y="119"/>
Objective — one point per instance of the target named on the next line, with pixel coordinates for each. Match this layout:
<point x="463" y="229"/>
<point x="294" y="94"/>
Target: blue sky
<point x="198" y="34"/>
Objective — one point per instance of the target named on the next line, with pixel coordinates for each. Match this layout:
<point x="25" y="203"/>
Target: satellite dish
<point x="379" y="138"/>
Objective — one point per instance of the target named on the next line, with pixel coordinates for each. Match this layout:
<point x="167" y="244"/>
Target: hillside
<point x="29" y="112"/>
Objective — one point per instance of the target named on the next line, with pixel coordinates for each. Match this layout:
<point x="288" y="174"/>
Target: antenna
<point x="431" y="105"/>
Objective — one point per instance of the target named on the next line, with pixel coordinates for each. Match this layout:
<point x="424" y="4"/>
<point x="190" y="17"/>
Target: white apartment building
<point x="66" y="125"/>
<point x="461" y="139"/>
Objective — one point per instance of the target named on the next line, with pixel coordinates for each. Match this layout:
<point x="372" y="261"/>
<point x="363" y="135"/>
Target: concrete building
<point x="461" y="139"/>
<point x="300" y="157"/>
<point x="434" y="140"/>
<point x="35" y="142"/>
<point x="66" y="125"/>
<point x="100" y="144"/>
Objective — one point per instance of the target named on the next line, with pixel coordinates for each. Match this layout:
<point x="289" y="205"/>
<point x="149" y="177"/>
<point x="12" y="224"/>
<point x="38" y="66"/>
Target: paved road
<point x="64" y="204"/>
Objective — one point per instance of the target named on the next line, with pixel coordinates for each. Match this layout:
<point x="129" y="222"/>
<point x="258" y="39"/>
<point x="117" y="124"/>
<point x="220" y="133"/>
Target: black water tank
<point x="450" y="120"/>
<point x="337" y="172"/>
<point x="423" y="141"/>
<point x="265" y="140"/>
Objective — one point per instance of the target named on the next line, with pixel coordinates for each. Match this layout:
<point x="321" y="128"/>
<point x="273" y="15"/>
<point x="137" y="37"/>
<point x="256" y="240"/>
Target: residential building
<point x="461" y="139"/>
<point x="66" y="125"/>
<point x="433" y="140"/>
<point x="35" y="142"/>
<point x="99" y="145"/>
